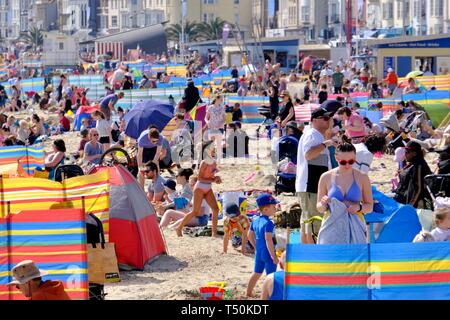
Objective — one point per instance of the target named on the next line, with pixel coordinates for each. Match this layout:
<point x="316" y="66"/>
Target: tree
<point x="191" y="31"/>
<point x="35" y="37"/>
<point x="213" y="29"/>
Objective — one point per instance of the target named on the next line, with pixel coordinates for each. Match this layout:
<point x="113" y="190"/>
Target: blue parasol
<point x="146" y="113"/>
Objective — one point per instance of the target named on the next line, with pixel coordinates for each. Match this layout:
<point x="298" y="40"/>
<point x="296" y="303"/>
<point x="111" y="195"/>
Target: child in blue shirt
<point x="261" y="237"/>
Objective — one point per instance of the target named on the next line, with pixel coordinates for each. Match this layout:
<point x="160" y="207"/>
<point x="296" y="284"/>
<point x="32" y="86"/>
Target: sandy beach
<point x="191" y="262"/>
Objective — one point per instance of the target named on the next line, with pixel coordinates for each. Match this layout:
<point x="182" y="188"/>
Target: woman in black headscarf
<point x="411" y="189"/>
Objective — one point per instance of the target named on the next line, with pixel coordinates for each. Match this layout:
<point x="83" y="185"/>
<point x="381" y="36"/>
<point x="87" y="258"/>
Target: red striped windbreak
<point x="115" y="47"/>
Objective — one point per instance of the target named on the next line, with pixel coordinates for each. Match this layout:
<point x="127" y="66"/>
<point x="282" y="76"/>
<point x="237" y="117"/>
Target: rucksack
<point x="289" y="218"/>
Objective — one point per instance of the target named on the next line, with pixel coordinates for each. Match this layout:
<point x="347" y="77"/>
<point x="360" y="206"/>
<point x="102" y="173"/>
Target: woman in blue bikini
<point x="346" y="184"/>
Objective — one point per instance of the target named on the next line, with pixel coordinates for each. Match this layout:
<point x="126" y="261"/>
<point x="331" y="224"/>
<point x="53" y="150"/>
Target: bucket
<point x="213" y="291"/>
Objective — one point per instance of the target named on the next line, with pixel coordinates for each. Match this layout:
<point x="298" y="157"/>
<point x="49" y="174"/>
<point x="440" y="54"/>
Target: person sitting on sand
<point x="28" y="279"/>
<point x="442" y="220"/>
<point x="261" y="237"/>
<point x="83" y="141"/>
<point x="37" y="129"/>
<point x="55" y="158"/>
<point x="155" y="192"/>
<point x="93" y="150"/>
<point x="23" y="133"/>
<point x="64" y="122"/>
<point x="235" y="224"/>
<point x="203" y="188"/>
<point x="411" y="188"/>
<point x="273" y="285"/>
<point x="178" y="215"/>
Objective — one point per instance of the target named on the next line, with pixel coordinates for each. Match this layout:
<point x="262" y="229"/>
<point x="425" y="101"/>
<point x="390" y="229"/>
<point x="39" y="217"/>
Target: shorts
<point x="308" y="202"/>
<point x="262" y="264"/>
<point x="104" y="140"/>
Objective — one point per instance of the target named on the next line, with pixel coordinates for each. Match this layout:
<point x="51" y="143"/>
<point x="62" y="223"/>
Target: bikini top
<point x="353" y="194"/>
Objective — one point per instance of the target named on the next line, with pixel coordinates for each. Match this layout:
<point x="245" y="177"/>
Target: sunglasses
<point x="95" y="134"/>
<point x="326" y="118"/>
<point x="344" y="162"/>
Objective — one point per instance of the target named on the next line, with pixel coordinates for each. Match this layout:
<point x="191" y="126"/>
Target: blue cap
<point x="172" y="185"/>
<point x="232" y="210"/>
<point x="266" y="199"/>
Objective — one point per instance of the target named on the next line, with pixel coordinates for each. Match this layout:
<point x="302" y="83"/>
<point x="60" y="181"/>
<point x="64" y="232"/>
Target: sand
<point x="192" y="262"/>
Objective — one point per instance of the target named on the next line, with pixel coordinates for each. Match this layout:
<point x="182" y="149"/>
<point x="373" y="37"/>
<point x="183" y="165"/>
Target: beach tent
<point x="132" y="220"/>
<point x="82" y="113"/>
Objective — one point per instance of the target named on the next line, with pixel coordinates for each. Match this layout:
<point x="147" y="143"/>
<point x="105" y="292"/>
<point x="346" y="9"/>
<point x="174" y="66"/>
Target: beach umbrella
<point x="146" y="113"/>
<point x="414" y="74"/>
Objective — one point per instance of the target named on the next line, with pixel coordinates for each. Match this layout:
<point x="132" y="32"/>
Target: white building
<point x="78" y="15"/>
<point x="4" y="19"/>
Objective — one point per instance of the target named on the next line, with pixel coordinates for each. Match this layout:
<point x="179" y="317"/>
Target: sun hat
<point x="25" y="271"/>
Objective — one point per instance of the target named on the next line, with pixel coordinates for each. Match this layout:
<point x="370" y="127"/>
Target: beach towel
<point x="341" y="227"/>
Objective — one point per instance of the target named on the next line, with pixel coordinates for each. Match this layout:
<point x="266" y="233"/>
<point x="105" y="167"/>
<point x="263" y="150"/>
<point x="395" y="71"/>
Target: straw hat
<point x="25" y="271"/>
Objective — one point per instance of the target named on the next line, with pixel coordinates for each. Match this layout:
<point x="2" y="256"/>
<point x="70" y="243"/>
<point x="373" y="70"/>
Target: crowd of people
<point x="334" y="154"/>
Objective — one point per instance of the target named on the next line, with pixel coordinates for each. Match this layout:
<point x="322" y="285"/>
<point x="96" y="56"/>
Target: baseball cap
<point x="266" y="199"/>
<point x="172" y="185"/>
<point x="320" y="112"/>
<point x="390" y="70"/>
<point x="232" y="210"/>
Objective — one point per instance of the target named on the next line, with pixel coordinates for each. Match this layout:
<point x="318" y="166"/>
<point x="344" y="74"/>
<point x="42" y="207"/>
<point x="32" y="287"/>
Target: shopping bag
<point x="102" y="260"/>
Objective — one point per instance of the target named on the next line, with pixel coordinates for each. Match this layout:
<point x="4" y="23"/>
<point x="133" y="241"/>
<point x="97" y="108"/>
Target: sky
<point x="271" y="7"/>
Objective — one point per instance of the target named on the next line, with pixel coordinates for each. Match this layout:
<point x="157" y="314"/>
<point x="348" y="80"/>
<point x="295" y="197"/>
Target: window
<point x="400" y="13"/>
<point x="305" y="13"/>
<point x="407" y="8"/>
<point x="61" y="46"/>
<point x="236" y="1"/>
<point x="432" y="11"/>
<point x="388" y="10"/>
<point x="439" y="9"/>
<point x="124" y="21"/>
<point x="114" y="22"/>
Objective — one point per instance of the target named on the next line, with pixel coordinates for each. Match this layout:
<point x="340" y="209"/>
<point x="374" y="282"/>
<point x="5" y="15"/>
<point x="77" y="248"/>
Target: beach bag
<point x="290" y="217"/>
<point x="102" y="261"/>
